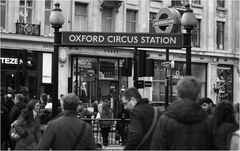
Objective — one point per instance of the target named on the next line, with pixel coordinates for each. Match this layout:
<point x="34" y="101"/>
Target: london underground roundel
<point x="168" y="20"/>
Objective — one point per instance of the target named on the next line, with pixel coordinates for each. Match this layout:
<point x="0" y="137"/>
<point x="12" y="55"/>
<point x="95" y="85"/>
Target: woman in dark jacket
<point x="28" y="126"/>
<point x="105" y="125"/>
<point x="19" y="104"/>
<point x="224" y="125"/>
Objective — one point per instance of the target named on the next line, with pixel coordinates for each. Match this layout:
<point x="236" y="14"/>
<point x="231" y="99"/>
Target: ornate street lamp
<point x="56" y="20"/>
<point x="188" y="21"/>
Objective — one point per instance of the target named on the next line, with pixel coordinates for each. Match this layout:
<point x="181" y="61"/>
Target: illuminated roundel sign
<point x="168" y="20"/>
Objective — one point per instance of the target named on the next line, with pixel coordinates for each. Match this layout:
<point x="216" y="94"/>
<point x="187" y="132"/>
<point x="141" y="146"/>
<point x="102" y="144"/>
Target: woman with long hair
<point x="105" y="125"/>
<point x="224" y="125"/>
<point x="28" y="126"/>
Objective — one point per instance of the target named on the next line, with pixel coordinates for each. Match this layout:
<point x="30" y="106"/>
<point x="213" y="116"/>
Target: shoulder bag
<point x="79" y="137"/>
<point x="155" y="118"/>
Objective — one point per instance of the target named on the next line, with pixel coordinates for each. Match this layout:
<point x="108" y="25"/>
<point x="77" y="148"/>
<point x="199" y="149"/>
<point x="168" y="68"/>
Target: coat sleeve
<point x="135" y="131"/>
<point x="159" y="139"/>
<point x="91" y="141"/>
<point x="47" y="138"/>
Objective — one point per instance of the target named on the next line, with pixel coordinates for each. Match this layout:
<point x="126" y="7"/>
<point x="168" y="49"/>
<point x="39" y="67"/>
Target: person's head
<point x="188" y="88"/>
<point x="19" y="98"/>
<point x="224" y="112"/>
<point x="27" y="113"/>
<point x="71" y="102"/>
<point x="34" y="105"/>
<point x="43" y="98"/>
<point x="9" y="97"/>
<point x="206" y="103"/>
<point x="130" y="98"/>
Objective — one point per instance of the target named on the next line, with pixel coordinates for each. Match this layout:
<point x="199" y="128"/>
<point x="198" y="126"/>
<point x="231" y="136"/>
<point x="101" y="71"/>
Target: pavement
<point x="113" y="147"/>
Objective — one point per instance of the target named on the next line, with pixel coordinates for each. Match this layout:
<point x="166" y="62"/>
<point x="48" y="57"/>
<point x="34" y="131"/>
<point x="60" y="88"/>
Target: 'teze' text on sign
<point x="122" y="39"/>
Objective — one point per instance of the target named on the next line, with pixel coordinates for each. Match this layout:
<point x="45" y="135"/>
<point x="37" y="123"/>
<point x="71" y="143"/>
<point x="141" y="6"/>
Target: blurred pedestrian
<point x="67" y="131"/>
<point x="184" y="125"/>
<point x="9" y="101"/>
<point x="207" y="104"/>
<point x="28" y="126"/>
<point x="19" y="104"/>
<point x="141" y="117"/>
<point x="5" y="126"/>
<point x="224" y="125"/>
<point x="105" y="125"/>
<point x="236" y="135"/>
<point x="43" y="100"/>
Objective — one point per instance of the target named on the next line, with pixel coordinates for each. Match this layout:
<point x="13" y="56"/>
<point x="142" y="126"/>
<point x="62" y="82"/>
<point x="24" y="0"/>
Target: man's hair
<point x="44" y="97"/>
<point x="205" y="100"/>
<point x="70" y="102"/>
<point x="188" y="88"/>
<point x="132" y="92"/>
<point x="20" y="97"/>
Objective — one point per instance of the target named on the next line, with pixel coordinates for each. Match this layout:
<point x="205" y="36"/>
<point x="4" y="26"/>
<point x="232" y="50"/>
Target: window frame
<point x="197" y="33"/>
<point x="3" y="21"/>
<point x="152" y="16"/>
<point x="83" y="27"/>
<point x="220" y="35"/>
<point x="47" y="31"/>
<point x="25" y="8"/>
<point x="106" y="18"/>
<point x="131" y="22"/>
<point x="221" y="3"/>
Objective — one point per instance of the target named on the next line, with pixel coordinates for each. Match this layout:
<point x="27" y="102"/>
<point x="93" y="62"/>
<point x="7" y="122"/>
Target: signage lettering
<point x="164" y="22"/>
<point x="123" y="39"/>
<point x="10" y="61"/>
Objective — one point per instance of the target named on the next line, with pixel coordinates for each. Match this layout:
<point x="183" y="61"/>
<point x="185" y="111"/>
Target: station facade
<point x="98" y="73"/>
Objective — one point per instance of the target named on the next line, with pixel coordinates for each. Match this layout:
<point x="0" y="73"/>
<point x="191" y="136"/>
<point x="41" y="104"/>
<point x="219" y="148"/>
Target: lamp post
<point x="188" y="21"/>
<point x="56" y="20"/>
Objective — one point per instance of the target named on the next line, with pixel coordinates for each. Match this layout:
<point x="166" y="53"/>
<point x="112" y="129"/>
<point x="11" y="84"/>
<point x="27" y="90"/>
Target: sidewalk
<point x="114" y="147"/>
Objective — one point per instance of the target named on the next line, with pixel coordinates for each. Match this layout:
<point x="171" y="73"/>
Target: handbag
<point x="14" y="135"/>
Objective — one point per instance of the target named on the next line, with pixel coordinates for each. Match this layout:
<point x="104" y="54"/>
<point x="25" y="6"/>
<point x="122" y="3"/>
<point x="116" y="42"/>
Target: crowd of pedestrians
<point x="189" y="123"/>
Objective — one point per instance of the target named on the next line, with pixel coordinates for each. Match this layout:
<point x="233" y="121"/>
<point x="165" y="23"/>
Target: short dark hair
<point x="205" y="100"/>
<point x="132" y="92"/>
<point x="70" y="102"/>
<point x="188" y="88"/>
<point x="44" y="97"/>
<point x="20" y="97"/>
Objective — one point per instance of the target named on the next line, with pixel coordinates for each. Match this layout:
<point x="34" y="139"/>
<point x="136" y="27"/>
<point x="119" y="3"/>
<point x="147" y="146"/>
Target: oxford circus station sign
<point x="122" y="39"/>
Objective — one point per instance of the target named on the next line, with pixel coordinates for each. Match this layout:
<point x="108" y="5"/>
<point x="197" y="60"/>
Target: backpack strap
<point x="155" y="118"/>
<point x="79" y="136"/>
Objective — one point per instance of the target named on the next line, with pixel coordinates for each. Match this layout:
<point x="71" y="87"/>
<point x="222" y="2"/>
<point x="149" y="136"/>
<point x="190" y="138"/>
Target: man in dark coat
<point x="141" y="117"/>
<point x="67" y="132"/>
<point x="184" y="125"/>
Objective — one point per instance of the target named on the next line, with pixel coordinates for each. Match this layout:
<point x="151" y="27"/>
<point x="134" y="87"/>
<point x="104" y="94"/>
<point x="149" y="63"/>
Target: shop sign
<point x="13" y="61"/>
<point x="122" y="39"/>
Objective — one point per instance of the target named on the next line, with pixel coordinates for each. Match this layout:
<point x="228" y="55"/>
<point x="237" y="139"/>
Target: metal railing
<point x="118" y="130"/>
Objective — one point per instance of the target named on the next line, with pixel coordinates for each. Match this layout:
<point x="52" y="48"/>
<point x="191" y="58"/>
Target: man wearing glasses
<point x="141" y="117"/>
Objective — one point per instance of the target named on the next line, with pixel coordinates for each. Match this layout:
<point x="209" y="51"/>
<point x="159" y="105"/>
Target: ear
<point x="134" y="100"/>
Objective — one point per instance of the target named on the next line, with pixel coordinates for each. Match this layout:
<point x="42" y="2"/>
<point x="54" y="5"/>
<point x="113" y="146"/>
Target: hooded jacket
<point x="183" y="126"/>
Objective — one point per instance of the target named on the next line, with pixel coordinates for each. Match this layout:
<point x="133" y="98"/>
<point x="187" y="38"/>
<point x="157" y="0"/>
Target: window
<point x="224" y="83"/>
<point x="198" y="70"/>
<point x="151" y="19"/>
<point x="3" y="14"/>
<point x="80" y="17"/>
<point x="196" y="34"/>
<point x="221" y="3"/>
<point x="25" y="11"/>
<point x="48" y="9"/>
<point x="198" y="2"/>
<point x="220" y="35"/>
<point x="107" y="20"/>
<point x="179" y="2"/>
<point x="131" y="21"/>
